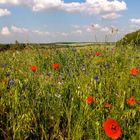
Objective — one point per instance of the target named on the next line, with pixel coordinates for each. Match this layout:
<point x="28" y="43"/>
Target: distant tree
<point x="16" y="42"/>
<point x="19" y="46"/>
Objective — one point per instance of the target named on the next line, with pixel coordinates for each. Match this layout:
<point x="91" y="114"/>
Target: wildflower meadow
<point x="74" y="93"/>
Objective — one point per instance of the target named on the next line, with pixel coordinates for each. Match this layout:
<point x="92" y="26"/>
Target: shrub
<point x="132" y="38"/>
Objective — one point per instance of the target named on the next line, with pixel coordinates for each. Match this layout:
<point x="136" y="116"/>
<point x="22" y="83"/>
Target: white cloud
<point x="75" y="26"/>
<point x="5" y="31"/>
<point x="19" y="30"/>
<point x="4" y="12"/>
<point x="92" y="27"/>
<point x="111" y="16"/>
<point x="101" y="6"/>
<point x="105" y="29"/>
<point x="40" y="32"/>
<point x="15" y="2"/>
<point x="89" y="6"/>
<point x="77" y="32"/>
<point x="95" y="26"/>
<point x="23" y="30"/>
<point x="88" y="29"/>
<point x="135" y="21"/>
<point x="99" y="28"/>
<point x="46" y="4"/>
<point x="64" y="34"/>
<point x="73" y="7"/>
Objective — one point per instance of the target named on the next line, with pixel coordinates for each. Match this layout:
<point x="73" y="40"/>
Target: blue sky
<point x="68" y="20"/>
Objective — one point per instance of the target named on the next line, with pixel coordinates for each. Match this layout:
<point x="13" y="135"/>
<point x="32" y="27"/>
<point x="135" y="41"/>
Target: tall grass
<point x="52" y="103"/>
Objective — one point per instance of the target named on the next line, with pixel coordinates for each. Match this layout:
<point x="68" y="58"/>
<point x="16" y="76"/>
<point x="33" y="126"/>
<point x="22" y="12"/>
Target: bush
<point x="130" y="38"/>
<point x="4" y="47"/>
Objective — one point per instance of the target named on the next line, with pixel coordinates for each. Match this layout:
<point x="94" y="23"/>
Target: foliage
<point x="17" y="46"/>
<point x="51" y="104"/>
<point x="131" y="38"/>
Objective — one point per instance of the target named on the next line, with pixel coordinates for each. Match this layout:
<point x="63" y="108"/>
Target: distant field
<point x="70" y="94"/>
<point x="18" y="46"/>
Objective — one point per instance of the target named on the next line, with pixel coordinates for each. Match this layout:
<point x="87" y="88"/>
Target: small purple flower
<point x="4" y="65"/>
<point x="96" y="78"/>
<point x="11" y="82"/>
<point x="7" y="74"/>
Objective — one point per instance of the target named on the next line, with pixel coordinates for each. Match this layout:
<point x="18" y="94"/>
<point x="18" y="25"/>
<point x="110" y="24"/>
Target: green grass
<point x="51" y="104"/>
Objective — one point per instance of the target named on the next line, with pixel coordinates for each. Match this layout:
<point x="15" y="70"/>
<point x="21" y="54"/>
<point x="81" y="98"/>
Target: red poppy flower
<point x="108" y="105"/>
<point x="33" y="68"/>
<point x="131" y="101"/>
<point x="98" y="54"/>
<point x="56" y="66"/>
<point x="134" y="71"/>
<point x="90" y="100"/>
<point x="112" y="129"/>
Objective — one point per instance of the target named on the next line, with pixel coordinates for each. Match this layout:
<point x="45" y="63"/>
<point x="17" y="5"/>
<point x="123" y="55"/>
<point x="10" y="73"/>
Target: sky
<point x="45" y="21"/>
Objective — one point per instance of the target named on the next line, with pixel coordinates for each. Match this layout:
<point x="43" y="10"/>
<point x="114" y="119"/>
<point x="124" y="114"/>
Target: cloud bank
<point x="5" y="31"/>
<point x="135" y="21"/>
<point x="4" y="12"/>
<point x="89" y="6"/>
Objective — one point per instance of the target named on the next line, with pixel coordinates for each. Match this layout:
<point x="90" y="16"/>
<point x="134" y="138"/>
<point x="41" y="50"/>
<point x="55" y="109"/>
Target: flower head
<point x="131" y="101"/>
<point x="4" y="65"/>
<point x="11" y="82"/>
<point x="112" y="129"/>
<point x="55" y="65"/>
<point x="90" y="99"/>
<point x="108" y="105"/>
<point x="98" y="54"/>
<point x="134" y="71"/>
<point x="96" y="78"/>
<point x="7" y="74"/>
<point x="33" y="68"/>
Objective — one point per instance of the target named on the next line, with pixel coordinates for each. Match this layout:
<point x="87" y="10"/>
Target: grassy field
<point x="73" y="99"/>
